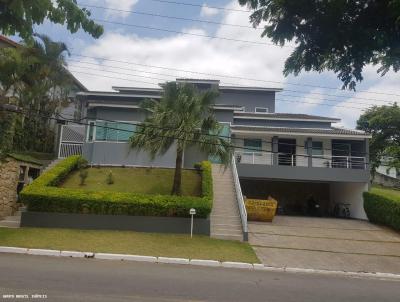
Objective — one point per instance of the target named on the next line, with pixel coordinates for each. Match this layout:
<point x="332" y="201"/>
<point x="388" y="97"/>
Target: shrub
<point x="382" y="209"/>
<point x="43" y="196"/>
<point x="83" y="174"/>
<point x="110" y="178"/>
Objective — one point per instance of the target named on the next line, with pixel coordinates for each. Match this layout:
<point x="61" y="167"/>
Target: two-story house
<point x="293" y="157"/>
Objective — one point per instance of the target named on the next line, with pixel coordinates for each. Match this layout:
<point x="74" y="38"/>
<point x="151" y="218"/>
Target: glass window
<point x="261" y="110"/>
<point x="114" y="131"/>
<point x="317" y="149"/>
<point x="253" y="144"/>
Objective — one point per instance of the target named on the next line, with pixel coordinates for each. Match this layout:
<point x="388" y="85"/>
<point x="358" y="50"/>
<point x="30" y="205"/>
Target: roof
<point x="198" y="81"/>
<point x="76" y="81"/>
<point x="285" y="116"/>
<point x="250" y="88"/>
<point x="303" y="131"/>
<point x="25" y="158"/>
<point x="8" y="41"/>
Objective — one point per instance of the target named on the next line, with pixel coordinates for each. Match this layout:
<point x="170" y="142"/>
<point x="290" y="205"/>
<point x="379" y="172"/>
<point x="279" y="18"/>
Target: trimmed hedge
<point x="382" y="210"/>
<point x="43" y="195"/>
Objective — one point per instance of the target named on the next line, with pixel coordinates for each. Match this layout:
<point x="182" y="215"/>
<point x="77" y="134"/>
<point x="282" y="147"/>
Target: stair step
<point x="9" y="224"/>
<point x="12" y="218"/>
<point x="225" y="236"/>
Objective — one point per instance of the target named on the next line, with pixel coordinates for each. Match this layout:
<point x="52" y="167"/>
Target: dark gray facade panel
<point x="108" y="153"/>
<point x="224" y="116"/>
<point x="278" y="123"/>
<point x="302" y="173"/>
<point x="120" y="114"/>
<point x="248" y="99"/>
<point x="192" y="156"/>
<point x="115" y="222"/>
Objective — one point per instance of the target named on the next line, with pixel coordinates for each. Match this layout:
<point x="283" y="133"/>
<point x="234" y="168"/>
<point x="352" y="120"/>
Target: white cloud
<point x="207" y="11"/>
<point x="122" y="5"/>
<point x="211" y="56"/>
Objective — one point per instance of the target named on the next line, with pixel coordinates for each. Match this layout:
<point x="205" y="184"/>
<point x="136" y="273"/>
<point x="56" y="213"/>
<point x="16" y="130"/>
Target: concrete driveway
<point x="326" y="243"/>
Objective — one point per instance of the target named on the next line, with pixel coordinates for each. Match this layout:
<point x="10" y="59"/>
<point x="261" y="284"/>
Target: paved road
<point x="65" y="279"/>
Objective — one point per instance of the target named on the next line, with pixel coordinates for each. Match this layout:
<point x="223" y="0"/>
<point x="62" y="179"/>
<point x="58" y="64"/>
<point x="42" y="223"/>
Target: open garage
<point x="309" y="198"/>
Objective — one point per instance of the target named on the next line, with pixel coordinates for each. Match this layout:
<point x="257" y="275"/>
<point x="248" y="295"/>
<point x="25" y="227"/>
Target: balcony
<point x="301" y="167"/>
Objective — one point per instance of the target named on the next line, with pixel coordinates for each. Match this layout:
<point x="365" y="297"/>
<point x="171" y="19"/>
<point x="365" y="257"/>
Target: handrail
<point x="239" y="198"/>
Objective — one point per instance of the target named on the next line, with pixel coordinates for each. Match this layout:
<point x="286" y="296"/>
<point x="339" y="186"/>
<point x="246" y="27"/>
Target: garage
<point x="298" y="198"/>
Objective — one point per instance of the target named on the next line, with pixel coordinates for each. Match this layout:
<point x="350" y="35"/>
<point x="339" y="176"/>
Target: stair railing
<point x="240" y="200"/>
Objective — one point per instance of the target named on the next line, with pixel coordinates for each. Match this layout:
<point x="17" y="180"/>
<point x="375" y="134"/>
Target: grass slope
<point x="386" y="192"/>
<point x="136" y="180"/>
<point x="127" y="242"/>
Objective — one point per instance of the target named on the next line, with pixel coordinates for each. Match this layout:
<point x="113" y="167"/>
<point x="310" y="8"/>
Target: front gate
<point x="72" y="138"/>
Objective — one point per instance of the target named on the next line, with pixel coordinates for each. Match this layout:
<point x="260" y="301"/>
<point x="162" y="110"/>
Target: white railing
<point x="300" y="160"/>
<point x="255" y="158"/>
<point x="348" y="162"/>
<point x="69" y="149"/>
<point x="239" y="197"/>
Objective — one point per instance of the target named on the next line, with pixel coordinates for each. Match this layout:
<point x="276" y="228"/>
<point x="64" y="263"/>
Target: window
<point x="114" y="131"/>
<point x="261" y="110"/>
<point x="252" y="144"/>
<point x="317" y="149"/>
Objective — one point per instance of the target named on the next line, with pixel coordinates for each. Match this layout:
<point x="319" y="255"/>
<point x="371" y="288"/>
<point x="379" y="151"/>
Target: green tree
<point x="17" y="17"/>
<point x="342" y="35"/>
<point x="36" y="80"/>
<point x="383" y="123"/>
<point x="184" y="117"/>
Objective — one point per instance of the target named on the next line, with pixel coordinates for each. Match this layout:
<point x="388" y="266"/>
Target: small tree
<point x="110" y="178"/>
<point x="183" y="117"/>
<point x="83" y="174"/>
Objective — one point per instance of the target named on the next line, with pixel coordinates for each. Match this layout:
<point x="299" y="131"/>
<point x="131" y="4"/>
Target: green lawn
<point x="136" y="180"/>
<point x="126" y="242"/>
<point x="386" y="192"/>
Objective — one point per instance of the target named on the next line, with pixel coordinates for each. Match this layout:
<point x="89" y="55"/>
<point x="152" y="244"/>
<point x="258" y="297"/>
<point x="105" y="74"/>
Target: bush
<point x="43" y="196"/>
<point x="382" y="209"/>
<point x="110" y="178"/>
<point x="83" y="174"/>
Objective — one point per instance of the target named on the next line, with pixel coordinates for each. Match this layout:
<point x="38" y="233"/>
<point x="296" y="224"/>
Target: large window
<point x="317" y="148"/>
<point x="114" y="131"/>
<point x="261" y="110"/>
<point x="252" y="144"/>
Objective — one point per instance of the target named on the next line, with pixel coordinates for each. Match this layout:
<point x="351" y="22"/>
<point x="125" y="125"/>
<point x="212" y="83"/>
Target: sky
<point x="131" y="56"/>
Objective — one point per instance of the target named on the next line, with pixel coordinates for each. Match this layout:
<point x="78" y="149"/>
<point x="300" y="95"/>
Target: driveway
<point x="326" y="243"/>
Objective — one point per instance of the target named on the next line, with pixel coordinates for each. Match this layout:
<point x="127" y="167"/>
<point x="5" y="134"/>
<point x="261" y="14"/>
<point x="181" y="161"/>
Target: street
<point x="66" y="279"/>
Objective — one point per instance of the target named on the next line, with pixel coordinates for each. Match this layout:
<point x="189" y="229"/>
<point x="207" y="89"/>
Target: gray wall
<point x="302" y="173"/>
<point x="109" y="153"/>
<point x="192" y="156"/>
<point x="248" y="99"/>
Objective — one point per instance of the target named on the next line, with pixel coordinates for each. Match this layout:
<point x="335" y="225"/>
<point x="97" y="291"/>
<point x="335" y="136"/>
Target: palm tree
<point x="184" y="116"/>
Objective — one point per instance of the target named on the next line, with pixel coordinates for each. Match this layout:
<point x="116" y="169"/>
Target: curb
<point x="193" y="262"/>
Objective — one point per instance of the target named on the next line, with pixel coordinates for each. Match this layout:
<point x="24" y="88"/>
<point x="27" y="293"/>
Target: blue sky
<point x="210" y="56"/>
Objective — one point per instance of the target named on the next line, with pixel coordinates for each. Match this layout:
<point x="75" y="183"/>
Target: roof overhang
<point x="116" y="94"/>
<point x="94" y="105"/>
<point x="244" y="88"/>
<point x="121" y="88"/>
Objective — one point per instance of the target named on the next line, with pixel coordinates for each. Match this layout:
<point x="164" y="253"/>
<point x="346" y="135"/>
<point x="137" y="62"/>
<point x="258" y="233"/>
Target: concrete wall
<point x="302" y="173"/>
<point x="115" y="222"/>
<point x="350" y="193"/>
<point x="278" y="123"/>
<point x="247" y="99"/>
<point x="109" y="153"/>
<point x="387" y="181"/>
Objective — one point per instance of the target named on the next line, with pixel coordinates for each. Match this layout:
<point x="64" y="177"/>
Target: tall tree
<point x="35" y="79"/>
<point x="384" y="124"/>
<point x="184" y="116"/>
<point x="342" y="35"/>
<point x="17" y="17"/>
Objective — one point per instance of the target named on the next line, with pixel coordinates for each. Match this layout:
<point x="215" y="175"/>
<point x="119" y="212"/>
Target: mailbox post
<point x="192" y="212"/>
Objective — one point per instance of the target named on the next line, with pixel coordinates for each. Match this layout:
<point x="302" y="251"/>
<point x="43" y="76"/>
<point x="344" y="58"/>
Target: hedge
<point x="382" y="210"/>
<point x="43" y="195"/>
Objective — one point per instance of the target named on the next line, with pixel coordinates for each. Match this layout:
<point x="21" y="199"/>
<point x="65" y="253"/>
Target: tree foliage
<point x="342" y="35"/>
<point x="17" y="17"/>
<point x="36" y="80"/>
<point x="184" y="116"/>
<point x="384" y="124"/>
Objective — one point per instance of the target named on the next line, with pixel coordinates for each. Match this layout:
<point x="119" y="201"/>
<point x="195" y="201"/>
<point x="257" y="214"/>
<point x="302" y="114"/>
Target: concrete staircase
<point x="225" y="217"/>
<point x="12" y="221"/>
